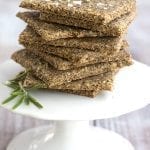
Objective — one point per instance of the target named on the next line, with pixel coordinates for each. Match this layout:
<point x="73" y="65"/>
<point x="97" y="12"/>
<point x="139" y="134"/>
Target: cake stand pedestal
<point x="69" y="135"/>
<point x="131" y="92"/>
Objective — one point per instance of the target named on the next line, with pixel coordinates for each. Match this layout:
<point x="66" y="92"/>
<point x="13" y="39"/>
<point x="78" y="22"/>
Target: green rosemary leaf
<point x="15" y="90"/>
<point x="27" y="100"/>
<point x="17" y="93"/>
<point x="10" y="98"/>
<point x="21" y="76"/>
<point x="11" y="82"/>
<point x="12" y="85"/>
<point x="19" y="102"/>
<point x="34" y="101"/>
<point x="35" y="87"/>
<point x="22" y="88"/>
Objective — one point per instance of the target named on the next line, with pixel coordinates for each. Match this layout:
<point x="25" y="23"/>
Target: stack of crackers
<point x="74" y="46"/>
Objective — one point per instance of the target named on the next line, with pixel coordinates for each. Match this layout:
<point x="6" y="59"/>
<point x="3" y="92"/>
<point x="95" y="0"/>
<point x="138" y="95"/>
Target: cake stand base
<point x="69" y="135"/>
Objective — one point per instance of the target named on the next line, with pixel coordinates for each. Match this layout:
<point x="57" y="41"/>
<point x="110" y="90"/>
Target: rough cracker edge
<point x="62" y="64"/>
<point x="54" y="77"/>
<point x="91" y="43"/>
<point x="53" y="31"/>
<point x="102" y="16"/>
<point x="73" y="55"/>
<point x="116" y="27"/>
<point x="99" y="82"/>
<point x="88" y="93"/>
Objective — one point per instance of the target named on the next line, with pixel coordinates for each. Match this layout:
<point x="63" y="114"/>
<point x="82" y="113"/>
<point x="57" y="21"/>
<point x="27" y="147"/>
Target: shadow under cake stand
<point x="72" y="113"/>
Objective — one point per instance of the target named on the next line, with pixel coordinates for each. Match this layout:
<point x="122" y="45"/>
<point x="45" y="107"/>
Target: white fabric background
<point x="139" y="32"/>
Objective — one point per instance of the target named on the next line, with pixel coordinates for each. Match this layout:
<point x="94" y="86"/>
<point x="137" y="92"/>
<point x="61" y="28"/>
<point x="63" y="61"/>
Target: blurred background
<point x="134" y="126"/>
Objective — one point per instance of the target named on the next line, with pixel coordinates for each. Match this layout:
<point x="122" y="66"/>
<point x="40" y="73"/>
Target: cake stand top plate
<point x="131" y="92"/>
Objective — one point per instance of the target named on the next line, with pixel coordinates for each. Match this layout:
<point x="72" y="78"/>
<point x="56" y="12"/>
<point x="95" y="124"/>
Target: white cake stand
<point x="131" y="92"/>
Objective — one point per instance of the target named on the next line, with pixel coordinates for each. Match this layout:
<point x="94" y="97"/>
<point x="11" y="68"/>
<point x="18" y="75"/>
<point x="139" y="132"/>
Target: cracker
<point x="98" y="44"/>
<point x="116" y="27"/>
<point x="63" y="64"/>
<point x="90" y="86"/>
<point x="53" y="77"/>
<point x="53" y="31"/>
<point x="71" y="54"/>
<point x="91" y="94"/>
<point x="77" y="56"/>
<point x="100" y="11"/>
<point x="102" y="81"/>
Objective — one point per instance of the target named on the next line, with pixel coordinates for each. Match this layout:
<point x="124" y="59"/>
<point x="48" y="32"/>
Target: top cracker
<point x="100" y="11"/>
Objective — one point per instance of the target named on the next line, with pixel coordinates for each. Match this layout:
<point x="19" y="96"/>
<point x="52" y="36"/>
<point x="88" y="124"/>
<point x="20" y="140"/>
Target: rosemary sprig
<point x="20" y="93"/>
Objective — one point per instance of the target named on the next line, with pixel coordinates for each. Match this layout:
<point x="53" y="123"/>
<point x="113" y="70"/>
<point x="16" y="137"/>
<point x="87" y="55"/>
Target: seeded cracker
<point x="63" y="64"/>
<point x="100" y="11"/>
<point x="73" y="55"/>
<point x="103" y="82"/>
<point x="116" y="27"/>
<point x="90" y="86"/>
<point x="98" y="44"/>
<point x="53" y="77"/>
<point x="53" y="31"/>
<point x="90" y="94"/>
